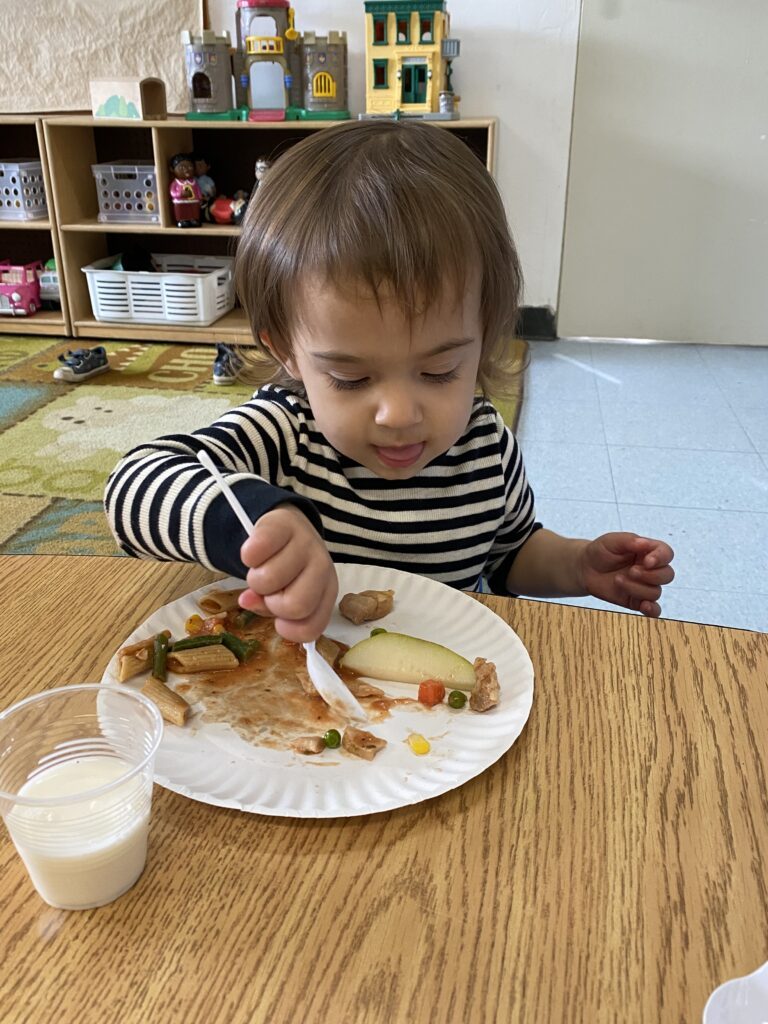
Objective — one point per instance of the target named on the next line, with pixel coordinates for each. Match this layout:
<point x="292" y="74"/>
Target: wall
<point x="667" y="225"/>
<point x="517" y="63"/>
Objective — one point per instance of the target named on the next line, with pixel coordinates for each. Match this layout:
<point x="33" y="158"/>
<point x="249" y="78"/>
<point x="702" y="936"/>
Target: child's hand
<point x="627" y="570"/>
<point x="291" y="575"/>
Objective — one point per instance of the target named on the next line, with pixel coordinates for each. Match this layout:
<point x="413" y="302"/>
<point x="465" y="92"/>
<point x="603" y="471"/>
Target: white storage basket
<point x="193" y="290"/>
<point x="22" y="191"/>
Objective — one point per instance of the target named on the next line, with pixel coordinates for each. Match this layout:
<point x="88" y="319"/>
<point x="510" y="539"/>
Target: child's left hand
<point x="627" y="570"/>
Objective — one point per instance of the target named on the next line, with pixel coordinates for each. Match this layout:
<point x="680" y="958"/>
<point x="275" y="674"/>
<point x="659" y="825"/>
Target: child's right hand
<point x="291" y="575"/>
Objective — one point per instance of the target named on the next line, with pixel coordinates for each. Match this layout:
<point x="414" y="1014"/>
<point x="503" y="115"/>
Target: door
<point x="666" y="230"/>
<point x="266" y="90"/>
<point x="414" y="83"/>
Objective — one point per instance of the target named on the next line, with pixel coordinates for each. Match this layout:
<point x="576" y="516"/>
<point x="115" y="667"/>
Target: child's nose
<point x="397" y="409"/>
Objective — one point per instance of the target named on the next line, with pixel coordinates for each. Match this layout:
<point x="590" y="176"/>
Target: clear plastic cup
<point x="76" y="769"/>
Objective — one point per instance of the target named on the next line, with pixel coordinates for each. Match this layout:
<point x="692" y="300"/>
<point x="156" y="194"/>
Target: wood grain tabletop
<point x="610" y="867"/>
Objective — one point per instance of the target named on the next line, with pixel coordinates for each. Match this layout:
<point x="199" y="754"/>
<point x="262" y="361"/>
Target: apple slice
<point x="407" y="659"/>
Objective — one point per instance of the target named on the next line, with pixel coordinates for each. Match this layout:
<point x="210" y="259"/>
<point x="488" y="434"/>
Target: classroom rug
<point x="59" y="442"/>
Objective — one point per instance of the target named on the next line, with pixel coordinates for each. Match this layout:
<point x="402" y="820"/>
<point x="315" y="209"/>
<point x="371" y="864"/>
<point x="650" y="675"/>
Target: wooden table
<point x="611" y="867"/>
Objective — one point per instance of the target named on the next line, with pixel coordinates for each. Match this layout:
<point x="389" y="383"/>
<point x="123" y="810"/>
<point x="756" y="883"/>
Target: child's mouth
<point x="402" y="457"/>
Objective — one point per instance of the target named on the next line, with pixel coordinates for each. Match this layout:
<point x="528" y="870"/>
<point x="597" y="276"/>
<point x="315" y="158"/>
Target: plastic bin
<point x="193" y="290"/>
<point x="127" y="192"/>
<point x="22" y="190"/>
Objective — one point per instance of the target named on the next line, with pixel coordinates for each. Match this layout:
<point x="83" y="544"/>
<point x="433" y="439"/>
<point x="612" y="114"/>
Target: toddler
<point x="380" y="280"/>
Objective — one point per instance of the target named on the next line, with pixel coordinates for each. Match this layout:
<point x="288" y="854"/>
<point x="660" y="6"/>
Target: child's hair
<point x="400" y="205"/>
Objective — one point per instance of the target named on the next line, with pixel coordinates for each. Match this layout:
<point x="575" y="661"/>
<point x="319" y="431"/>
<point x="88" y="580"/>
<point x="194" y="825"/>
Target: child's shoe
<point x="226" y="365"/>
<point x="81" y="364"/>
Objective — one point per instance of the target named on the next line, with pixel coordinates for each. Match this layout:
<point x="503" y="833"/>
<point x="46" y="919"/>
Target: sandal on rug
<point x="81" y="364"/>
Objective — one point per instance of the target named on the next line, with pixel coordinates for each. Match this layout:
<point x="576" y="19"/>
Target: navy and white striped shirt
<point x="463" y="517"/>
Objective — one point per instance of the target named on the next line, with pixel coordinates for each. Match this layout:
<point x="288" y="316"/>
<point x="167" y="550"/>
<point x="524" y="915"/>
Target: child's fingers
<point x="279" y="571"/>
<point x="266" y="540"/>
<point x="253" y="602"/>
<point x="658" y="577"/>
<point x="310" y="628"/>
<point x="651" y="609"/>
<point x="653" y="553"/>
<point x="638" y="591"/>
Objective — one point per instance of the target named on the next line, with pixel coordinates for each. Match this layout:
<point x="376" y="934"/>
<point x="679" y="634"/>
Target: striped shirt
<point x="462" y="518"/>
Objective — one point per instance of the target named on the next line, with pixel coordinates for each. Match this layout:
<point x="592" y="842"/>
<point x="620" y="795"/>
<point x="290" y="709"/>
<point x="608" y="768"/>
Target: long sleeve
<point x="162" y="504"/>
<point x="519" y="512"/>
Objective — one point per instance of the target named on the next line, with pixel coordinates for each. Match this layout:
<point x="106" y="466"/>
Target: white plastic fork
<point x="327" y="683"/>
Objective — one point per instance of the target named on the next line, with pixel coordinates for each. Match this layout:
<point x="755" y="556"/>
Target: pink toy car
<point x="19" y="288"/>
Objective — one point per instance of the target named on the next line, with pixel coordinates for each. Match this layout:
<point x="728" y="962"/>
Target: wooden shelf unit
<point x="22" y="241"/>
<point x="75" y="142"/>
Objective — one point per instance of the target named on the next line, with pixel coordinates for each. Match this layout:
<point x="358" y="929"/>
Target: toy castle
<point x="280" y="74"/>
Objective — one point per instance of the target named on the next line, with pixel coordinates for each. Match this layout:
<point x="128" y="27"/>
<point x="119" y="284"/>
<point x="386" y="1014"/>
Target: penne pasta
<point x="220" y="601"/>
<point x="131" y="665"/>
<point x="137" y="658"/>
<point x="202" y="659"/>
<point x="172" y="706"/>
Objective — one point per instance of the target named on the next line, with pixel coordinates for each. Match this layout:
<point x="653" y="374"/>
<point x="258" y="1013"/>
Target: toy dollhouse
<point x="279" y="73"/>
<point x="408" y="51"/>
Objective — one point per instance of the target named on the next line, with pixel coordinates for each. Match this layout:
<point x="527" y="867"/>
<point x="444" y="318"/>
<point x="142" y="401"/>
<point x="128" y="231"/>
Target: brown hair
<point x="400" y="204"/>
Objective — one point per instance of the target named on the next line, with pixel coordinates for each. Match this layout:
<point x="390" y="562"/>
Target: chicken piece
<point x="328" y="649"/>
<point x="486" y="693"/>
<point x="309" y="745"/>
<point x="361" y="743"/>
<point x="306" y="683"/>
<point x="358" y="688"/>
<point x="367" y="605"/>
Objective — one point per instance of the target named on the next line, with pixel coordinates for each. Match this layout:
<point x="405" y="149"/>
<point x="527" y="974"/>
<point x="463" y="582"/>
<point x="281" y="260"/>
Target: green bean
<point x="159" y="657"/>
<point x="242" y="649"/>
<point x="188" y="643"/>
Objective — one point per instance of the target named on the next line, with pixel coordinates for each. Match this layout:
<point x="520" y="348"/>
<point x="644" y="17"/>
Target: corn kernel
<point x="418" y="744"/>
<point x="193" y="625"/>
<point x="218" y="628"/>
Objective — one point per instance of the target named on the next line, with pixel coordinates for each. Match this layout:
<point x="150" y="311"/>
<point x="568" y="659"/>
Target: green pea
<point x="379" y="629"/>
<point x="457" y="699"/>
<point x="332" y="738"/>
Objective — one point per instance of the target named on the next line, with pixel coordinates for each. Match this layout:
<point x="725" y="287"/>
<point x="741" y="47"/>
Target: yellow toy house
<point x="408" y="53"/>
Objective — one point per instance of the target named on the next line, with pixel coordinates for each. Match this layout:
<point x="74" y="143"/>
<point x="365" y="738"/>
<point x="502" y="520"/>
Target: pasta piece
<point x="202" y="659"/>
<point x="217" y="601"/>
<point x="136" y="658"/>
<point x="131" y="665"/>
<point x="173" y="707"/>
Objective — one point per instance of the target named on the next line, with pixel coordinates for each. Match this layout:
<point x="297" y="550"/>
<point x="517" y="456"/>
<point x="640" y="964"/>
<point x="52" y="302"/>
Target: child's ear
<point x="288" y="364"/>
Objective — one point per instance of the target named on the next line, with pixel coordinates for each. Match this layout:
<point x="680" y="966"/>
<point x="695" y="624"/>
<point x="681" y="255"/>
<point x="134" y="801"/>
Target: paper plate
<point x="211" y="763"/>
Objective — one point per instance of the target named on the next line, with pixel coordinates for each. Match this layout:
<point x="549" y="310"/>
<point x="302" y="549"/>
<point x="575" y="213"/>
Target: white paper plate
<point x="211" y="763"/>
<point x="740" y="1000"/>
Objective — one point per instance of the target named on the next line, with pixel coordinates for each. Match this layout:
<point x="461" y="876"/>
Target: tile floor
<point x="665" y="440"/>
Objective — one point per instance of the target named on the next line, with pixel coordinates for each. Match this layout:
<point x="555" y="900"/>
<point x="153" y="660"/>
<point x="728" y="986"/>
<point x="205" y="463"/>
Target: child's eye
<point x="441" y="378"/>
<point x="343" y="384"/>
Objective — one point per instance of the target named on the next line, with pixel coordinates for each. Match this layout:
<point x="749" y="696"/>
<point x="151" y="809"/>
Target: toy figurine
<point x="262" y="166"/>
<point x="185" y="192"/>
<point x="226" y="210"/>
<point x="204" y="180"/>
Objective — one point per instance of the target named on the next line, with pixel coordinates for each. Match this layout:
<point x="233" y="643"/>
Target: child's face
<point x="389" y="394"/>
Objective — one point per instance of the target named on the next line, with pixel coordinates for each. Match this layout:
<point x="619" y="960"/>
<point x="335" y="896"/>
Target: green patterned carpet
<point x="59" y="442"/>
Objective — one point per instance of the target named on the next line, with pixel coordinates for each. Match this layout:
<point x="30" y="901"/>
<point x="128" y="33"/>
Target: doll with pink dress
<point x="186" y="195"/>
